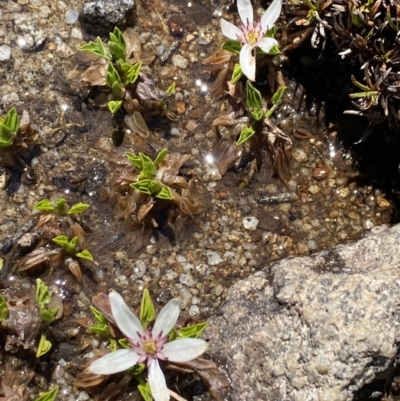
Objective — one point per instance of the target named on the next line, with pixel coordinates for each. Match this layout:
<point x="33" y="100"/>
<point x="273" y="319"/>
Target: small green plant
<point x="9" y="126"/>
<point x="43" y="298"/>
<point x="147" y="339"/>
<point x="257" y="111"/>
<point x="101" y="326"/>
<point x="146" y="179"/>
<point x="60" y="207"/>
<point x="120" y="72"/>
<point x="70" y="247"/>
<point x="49" y="395"/>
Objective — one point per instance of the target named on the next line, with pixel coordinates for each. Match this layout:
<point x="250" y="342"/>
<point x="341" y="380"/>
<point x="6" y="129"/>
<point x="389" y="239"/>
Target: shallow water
<point x="197" y="259"/>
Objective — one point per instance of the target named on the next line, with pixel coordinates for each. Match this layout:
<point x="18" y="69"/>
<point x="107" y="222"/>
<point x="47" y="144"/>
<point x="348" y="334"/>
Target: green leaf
<point x="237" y="73"/>
<point x="96" y="48"/>
<point x="101" y="326"/>
<point x="147" y="310"/>
<point x="165" y="193"/>
<point x="135" y="160"/>
<point x="147" y="186"/>
<point x="3" y="308"/>
<point x="233" y="46"/>
<point x="253" y="97"/>
<point x="48" y="315"/>
<point x="11" y="120"/>
<point x="114" y="105"/>
<point x="257" y="114"/>
<point x="171" y="89"/>
<point x="271" y="32"/>
<point x="137" y="369"/>
<point x="85" y="254"/>
<point x="145" y="392"/>
<point x="1" y="264"/>
<point x="68" y="246"/>
<point x="44" y="205"/>
<point x="360" y="85"/>
<point x="124" y="343"/>
<point x="61" y="206"/>
<point x="117" y="90"/>
<point x="274" y="50"/>
<point x="172" y="335"/>
<point x="117" y="45"/>
<point x="78" y="208"/>
<point x="131" y="71"/>
<point x="100" y="318"/>
<point x="277" y="97"/>
<point x="113" y="343"/>
<point x="43" y="347"/>
<point x="245" y="134"/>
<point x="42" y="293"/>
<point x="160" y="157"/>
<point x="148" y="169"/>
<point x="276" y="100"/>
<point x="113" y="79"/>
<point x="192" y="331"/>
<point x="49" y="396"/>
<point x="6" y="137"/>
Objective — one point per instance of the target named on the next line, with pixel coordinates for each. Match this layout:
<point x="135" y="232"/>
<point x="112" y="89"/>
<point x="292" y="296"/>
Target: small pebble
<point x="175" y="25"/>
<point x="250" y="223"/>
<point x="313" y="189"/>
<point x="5" y="52"/>
<point x="299" y="155"/>
<point x="213" y="258"/>
<point x="320" y="172"/>
<point x="179" y="61"/>
<point x="71" y="16"/>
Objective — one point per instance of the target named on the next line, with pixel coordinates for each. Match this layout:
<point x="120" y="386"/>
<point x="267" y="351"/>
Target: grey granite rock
<point x="99" y="17"/>
<point x="315" y="328"/>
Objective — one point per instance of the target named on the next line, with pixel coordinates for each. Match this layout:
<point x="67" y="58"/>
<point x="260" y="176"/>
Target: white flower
<point x="146" y="345"/>
<point x="251" y="35"/>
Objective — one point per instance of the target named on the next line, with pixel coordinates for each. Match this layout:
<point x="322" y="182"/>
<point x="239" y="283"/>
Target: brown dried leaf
<point x="219" y="57"/>
<point x="14" y="384"/>
<point x="137" y="124"/>
<point x="225" y="153"/>
<point x="23" y="318"/>
<point x="85" y="378"/>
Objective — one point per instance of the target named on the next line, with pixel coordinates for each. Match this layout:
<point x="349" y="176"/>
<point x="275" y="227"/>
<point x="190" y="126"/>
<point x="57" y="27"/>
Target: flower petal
<point x="184" y="350"/>
<point x="248" y="62"/>
<point x="126" y="320"/>
<point x="245" y="10"/>
<point x="158" y="387"/>
<point x="265" y="44"/>
<point x="271" y="15"/>
<point x="114" y="362"/>
<point x="167" y="318"/>
<point x="229" y="30"/>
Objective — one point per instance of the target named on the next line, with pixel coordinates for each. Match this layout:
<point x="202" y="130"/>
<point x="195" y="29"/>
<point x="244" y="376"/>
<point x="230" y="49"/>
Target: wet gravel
<point x="241" y="231"/>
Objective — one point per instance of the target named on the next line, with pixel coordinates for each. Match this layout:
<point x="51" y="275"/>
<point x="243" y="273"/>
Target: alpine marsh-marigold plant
<point x="149" y="346"/>
<point x="252" y="35"/>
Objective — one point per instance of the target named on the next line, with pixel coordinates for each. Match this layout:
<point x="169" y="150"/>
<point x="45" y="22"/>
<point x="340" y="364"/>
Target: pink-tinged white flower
<point x="251" y="34"/>
<point x="148" y="346"/>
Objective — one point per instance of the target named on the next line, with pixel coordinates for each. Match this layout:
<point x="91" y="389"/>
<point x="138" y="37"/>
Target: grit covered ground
<point x="235" y="236"/>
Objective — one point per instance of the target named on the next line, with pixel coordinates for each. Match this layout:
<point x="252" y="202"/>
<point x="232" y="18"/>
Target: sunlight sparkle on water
<point x="209" y="158"/>
<point x="21" y="42"/>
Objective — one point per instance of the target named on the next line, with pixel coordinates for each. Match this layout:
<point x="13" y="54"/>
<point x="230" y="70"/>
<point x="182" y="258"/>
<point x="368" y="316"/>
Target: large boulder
<point x="100" y="17"/>
<point x="315" y="328"/>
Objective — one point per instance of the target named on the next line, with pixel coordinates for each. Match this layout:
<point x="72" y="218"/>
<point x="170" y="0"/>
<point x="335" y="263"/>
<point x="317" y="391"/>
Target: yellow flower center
<point x="150" y="347"/>
<point x="252" y="38"/>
